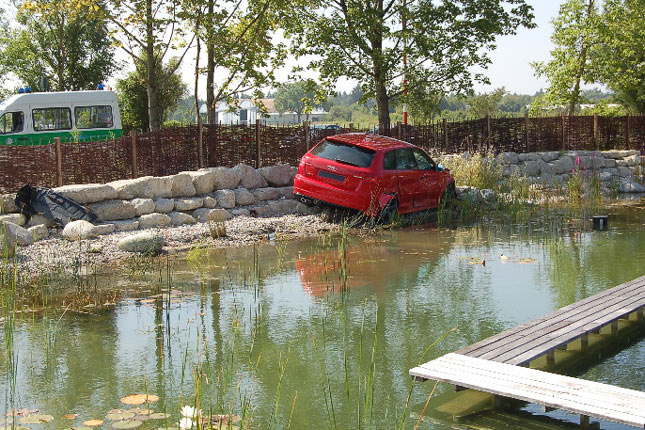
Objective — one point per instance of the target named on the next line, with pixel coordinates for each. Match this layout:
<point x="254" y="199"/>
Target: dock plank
<point x="551" y="390"/>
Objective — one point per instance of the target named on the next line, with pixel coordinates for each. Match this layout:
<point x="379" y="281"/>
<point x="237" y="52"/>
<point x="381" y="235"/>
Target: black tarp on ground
<point x="39" y="200"/>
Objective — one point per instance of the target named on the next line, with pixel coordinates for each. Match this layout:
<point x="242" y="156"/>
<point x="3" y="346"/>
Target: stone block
<point x="14" y="218"/>
<point x="225" y="198"/>
<point x="88" y="193"/>
<point x="79" y="230"/>
<point x="203" y="180"/>
<point x="143" y="206"/>
<point x="225" y="178"/>
<point x="276" y="176"/>
<point x="161" y="187"/>
<point x="610" y="162"/>
<point x="530" y="167"/>
<point x="250" y="178"/>
<point x="8" y="241"/>
<point x="182" y="185"/>
<point x="219" y="215"/>
<point x="547" y="157"/>
<point x="38" y="219"/>
<point x="625" y="172"/>
<point x="243" y="197"/>
<point x="103" y="229"/>
<point x="260" y="210"/>
<point x="562" y="165"/>
<point x="128" y="189"/>
<point x="286" y="192"/>
<point x="509" y="158"/>
<point x="283" y="207"/>
<point x="240" y="212"/>
<point x="268" y="193"/>
<point x="113" y="210"/>
<point x="38" y="232"/>
<point x="209" y="202"/>
<point x="180" y="218"/>
<point x="164" y="206"/>
<point x="153" y="220"/>
<point x="630" y="186"/>
<point x="188" y="204"/>
<point x="8" y="204"/>
<point x="145" y="242"/>
<point x="125" y="225"/>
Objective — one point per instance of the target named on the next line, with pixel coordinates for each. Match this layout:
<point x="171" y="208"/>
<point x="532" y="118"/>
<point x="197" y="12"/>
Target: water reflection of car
<point x="377" y="175"/>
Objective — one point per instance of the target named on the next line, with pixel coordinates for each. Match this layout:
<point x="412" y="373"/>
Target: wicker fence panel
<point x="282" y="145"/>
<point x="168" y="151"/>
<point x="545" y="134"/>
<point x="20" y="165"/>
<point x="507" y="135"/>
<point x="579" y="133"/>
<point x="637" y="133"/>
<point x="96" y="162"/>
<point x="228" y="145"/>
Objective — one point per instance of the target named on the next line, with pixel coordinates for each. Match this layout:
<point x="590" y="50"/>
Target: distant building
<point x="249" y="112"/>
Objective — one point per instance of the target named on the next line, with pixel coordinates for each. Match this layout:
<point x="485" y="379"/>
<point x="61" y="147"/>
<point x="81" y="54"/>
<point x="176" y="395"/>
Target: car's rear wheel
<point x="448" y="197"/>
<point x="389" y="213"/>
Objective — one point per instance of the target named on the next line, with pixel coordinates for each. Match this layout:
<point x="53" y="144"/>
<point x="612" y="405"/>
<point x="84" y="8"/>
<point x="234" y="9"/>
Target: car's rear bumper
<point x="323" y="193"/>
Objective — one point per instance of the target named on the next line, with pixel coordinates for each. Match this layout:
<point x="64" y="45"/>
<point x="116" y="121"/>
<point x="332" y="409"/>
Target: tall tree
<point x="133" y="94"/>
<point x="442" y="40"/>
<point x="147" y="30"/>
<point x="485" y="104"/>
<point x="298" y="97"/>
<point x="620" y="51"/>
<point x="571" y="64"/>
<point x="63" y="40"/>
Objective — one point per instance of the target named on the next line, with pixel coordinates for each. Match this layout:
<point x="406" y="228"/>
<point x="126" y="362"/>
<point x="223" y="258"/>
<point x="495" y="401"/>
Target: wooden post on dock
<point x="59" y="162"/>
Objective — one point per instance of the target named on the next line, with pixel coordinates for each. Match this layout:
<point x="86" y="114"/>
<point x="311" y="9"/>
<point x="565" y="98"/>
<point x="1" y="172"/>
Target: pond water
<point x="316" y="333"/>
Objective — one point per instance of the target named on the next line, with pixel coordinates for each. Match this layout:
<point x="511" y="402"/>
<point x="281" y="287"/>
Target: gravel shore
<point x="56" y="254"/>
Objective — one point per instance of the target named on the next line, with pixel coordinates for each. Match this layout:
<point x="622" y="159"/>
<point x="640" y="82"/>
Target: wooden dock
<point x="495" y="365"/>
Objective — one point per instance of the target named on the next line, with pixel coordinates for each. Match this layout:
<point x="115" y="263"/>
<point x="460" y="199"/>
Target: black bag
<point x="39" y="200"/>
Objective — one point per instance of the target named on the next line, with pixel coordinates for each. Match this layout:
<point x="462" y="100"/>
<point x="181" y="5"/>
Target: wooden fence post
<point x="200" y="144"/>
<point x="564" y="132"/>
<point x="487" y="132"/>
<point x="526" y="131"/>
<point x="133" y="146"/>
<point x="258" y="146"/>
<point x="445" y="135"/>
<point x="305" y="125"/>
<point x="351" y="126"/>
<point x="596" y="131"/>
<point x="59" y="162"/>
<point x="399" y="131"/>
<point x="626" y="131"/>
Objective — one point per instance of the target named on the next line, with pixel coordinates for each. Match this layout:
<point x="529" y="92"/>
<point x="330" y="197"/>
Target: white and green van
<point x="74" y="116"/>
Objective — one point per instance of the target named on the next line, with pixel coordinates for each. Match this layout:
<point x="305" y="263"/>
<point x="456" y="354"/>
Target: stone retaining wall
<point x="619" y="169"/>
<point x="211" y="194"/>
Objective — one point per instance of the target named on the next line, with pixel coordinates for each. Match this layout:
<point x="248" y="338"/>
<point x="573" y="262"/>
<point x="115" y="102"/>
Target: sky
<point x="510" y="66"/>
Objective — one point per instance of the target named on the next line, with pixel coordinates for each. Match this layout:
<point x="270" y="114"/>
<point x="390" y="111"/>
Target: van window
<point x="93" y="117"/>
<point x="11" y="122"/>
<point x="52" y="119"/>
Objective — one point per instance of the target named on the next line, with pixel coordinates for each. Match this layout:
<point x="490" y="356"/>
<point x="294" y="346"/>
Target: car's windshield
<point x="344" y="153"/>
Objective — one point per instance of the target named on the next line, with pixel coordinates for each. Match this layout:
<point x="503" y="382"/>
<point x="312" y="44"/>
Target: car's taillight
<point x="309" y="169"/>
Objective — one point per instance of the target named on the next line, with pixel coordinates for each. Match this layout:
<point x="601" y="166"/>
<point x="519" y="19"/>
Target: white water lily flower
<point x="188" y="411"/>
<point x="185" y="423"/>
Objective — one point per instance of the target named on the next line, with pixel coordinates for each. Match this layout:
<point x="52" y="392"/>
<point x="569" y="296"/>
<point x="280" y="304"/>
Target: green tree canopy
<point x="364" y="40"/>
<point x="298" y="97"/>
<point x="486" y="104"/>
<point x="133" y="96"/>
<point x="571" y="64"/>
<point x="63" y="40"/>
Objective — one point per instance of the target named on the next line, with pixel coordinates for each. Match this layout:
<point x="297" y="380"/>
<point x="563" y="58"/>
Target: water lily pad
<point x="69" y="416"/>
<point x="159" y="416"/>
<point x="140" y="411"/>
<point x="120" y="416"/>
<point x="127" y="424"/>
<point x="20" y="412"/>
<point x="35" y="419"/>
<point x="81" y="428"/>
<point x="142" y="418"/>
<point x="139" y="399"/>
<point x="14" y="428"/>
<point x="167" y="428"/>
<point x="527" y="260"/>
<point x="93" y="423"/>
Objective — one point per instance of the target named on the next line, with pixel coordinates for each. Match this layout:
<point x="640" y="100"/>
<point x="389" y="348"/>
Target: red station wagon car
<point x="374" y="174"/>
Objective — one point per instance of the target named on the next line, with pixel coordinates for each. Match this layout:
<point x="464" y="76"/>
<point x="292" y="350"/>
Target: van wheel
<point x="389" y="212"/>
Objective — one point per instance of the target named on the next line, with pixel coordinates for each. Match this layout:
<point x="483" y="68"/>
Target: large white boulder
<point x="203" y="180"/>
<point x="80" y="229"/>
<point x="276" y="176"/>
<point x="113" y="210"/>
<point x="219" y="215"/>
<point x="145" y="242"/>
<point x="88" y="193"/>
<point x="182" y="185"/>
<point x="225" y="178"/>
<point x="20" y="235"/>
<point x="251" y="178"/>
<point x="128" y="189"/>
<point x="161" y="187"/>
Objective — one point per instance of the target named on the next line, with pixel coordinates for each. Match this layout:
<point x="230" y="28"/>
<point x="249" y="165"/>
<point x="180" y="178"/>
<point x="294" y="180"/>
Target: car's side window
<point x="389" y="161"/>
<point x="405" y="159"/>
<point x="11" y="122"/>
<point x="423" y="161"/>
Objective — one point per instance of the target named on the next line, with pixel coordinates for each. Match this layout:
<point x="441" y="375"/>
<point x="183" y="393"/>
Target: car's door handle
<point x="22" y="139"/>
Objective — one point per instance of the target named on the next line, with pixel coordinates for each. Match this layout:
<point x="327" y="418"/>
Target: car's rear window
<point x="344" y="153"/>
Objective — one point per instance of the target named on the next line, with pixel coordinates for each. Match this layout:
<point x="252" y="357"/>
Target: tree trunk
<point x="153" y="113"/>
<point x="382" y="98"/>
<point x="582" y="60"/>
<point x="211" y="108"/>
<point x="383" y="105"/>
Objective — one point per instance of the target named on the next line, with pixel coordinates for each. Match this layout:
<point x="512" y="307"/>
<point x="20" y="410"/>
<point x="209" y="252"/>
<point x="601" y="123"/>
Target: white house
<point x="249" y="112"/>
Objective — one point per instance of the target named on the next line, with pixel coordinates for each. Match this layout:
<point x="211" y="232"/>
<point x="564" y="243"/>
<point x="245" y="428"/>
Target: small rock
<point x="209" y="202"/>
<point x="243" y="197"/>
<point x="38" y="232"/>
<point x="629" y="186"/>
<point x="283" y="207"/>
<point x="78" y="230"/>
<point x="18" y="219"/>
<point x="240" y="212"/>
<point x="266" y="193"/>
<point x="8" y="203"/>
<point x="102" y="229"/>
<point x="286" y="192"/>
<point x="125" y="225"/>
<point x="145" y="242"/>
<point x="20" y="235"/>
<point x="38" y="219"/>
